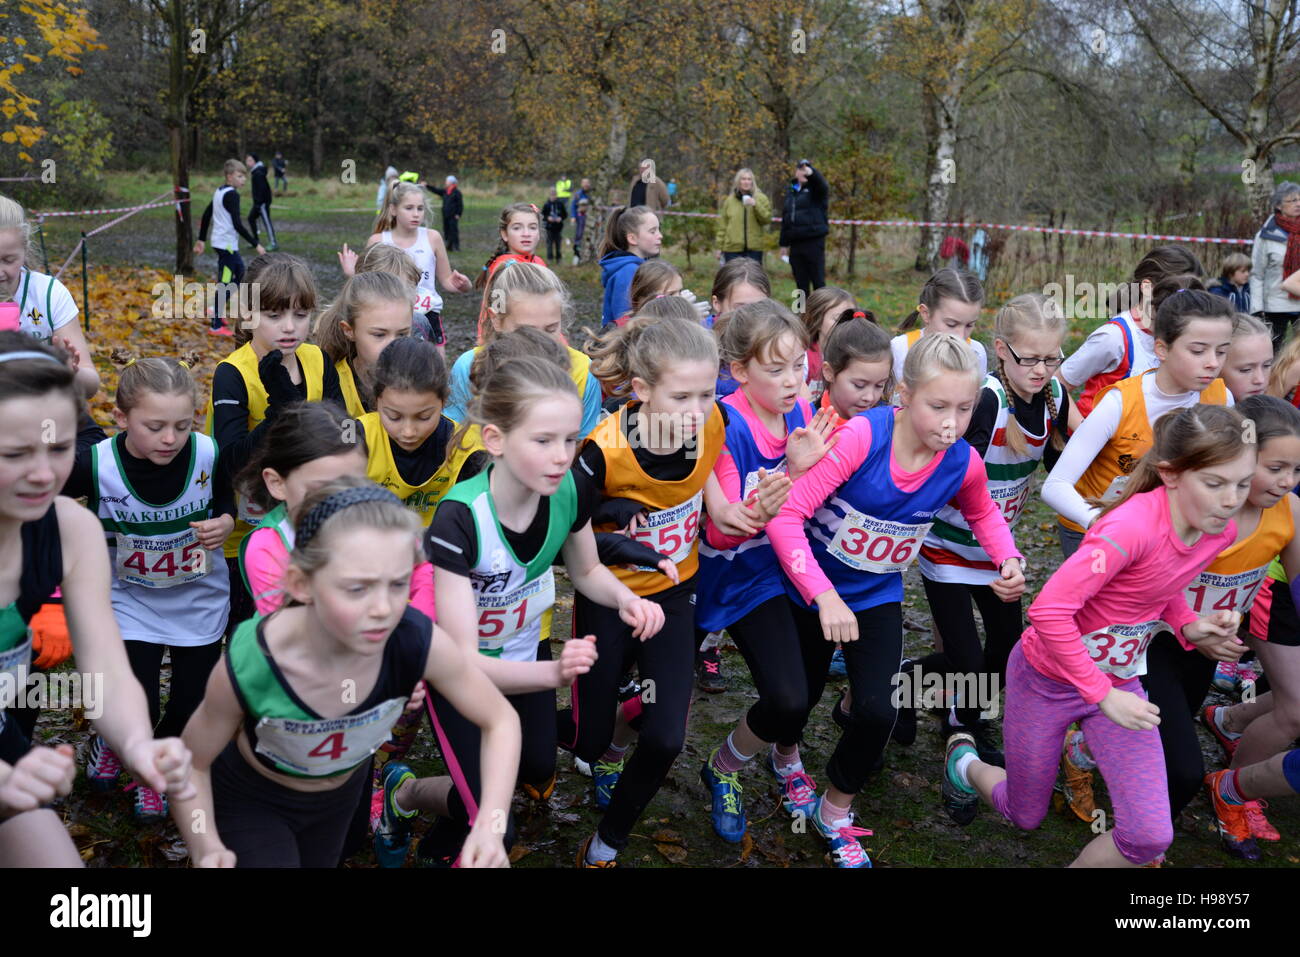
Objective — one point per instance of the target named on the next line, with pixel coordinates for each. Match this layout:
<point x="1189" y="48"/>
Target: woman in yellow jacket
<point x="744" y="220"/>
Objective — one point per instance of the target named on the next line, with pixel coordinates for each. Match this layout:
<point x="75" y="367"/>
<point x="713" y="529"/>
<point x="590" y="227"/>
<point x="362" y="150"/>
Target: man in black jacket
<point x="453" y="205"/>
<point x="554" y="213"/>
<point x="260" y="214"/>
<point x="804" y="227"/>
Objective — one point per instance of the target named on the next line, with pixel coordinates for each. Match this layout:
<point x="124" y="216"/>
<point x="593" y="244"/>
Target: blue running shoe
<point x="960" y="800"/>
<point x="845" y="850"/>
<point x="605" y="775"/>
<point x="393" y="833"/>
<point x="728" y="809"/>
<point x="837" y="668"/>
<point x="798" y="790"/>
<point x="102" y="766"/>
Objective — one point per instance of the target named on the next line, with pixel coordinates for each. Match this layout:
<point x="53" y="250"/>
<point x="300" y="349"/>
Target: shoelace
<point x="730" y="797"/>
<point x="105" y="761"/>
<point x="851" y="852"/>
<point x="800" y="788"/>
<point x="146" y="798"/>
<point x="711" y="666"/>
<point x="1255" y="818"/>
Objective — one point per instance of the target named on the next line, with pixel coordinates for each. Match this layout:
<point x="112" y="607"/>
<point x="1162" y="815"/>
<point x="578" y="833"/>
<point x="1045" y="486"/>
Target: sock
<point x="961" y="766"/>
<point x="832" y="814"/>
<point x="952" y="718"/>
<point x="1228" y="789"/>
<point x="1080" y="756"/>
<point x="613" y="755"/>
<point x="600" y="851"/>
<point x="1218" y="723"/>
<point x="728" y="759"/>
<point x="786" y="759"/>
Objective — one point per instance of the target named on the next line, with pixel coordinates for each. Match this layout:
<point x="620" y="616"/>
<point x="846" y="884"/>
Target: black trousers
<point x="451" y="232"/>
<point x="260" y="215"/>
<point x="1176" y="682"/>
<point x="754" y="254"/>
<point x="191" y="667"/>
<point x="554" y="241"/>
<point x="808" y="263"/>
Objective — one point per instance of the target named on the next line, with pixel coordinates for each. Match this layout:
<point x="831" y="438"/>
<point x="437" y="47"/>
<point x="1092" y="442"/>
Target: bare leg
<point x="746" y="740"/>
<point x="425" y="794"/>
<point x="984" y="778"/>
<point x="37" y="839"/>
<point x="1264" y="780"/>
<point x="1102" y="852"/>
<point x="1274" y="730"/>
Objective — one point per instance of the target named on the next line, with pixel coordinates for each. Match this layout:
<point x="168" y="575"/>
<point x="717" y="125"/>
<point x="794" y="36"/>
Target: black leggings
<point x="1176" y="682"/>
<point x="269" y="825"/>
<point x="950" y="607"/>
<point x="665" y="665"/>
<point x="554" y="242"/>
<point x="871" y="661"/>
<point x="242" y="606"/>
<point x="461" y="746"/>
<point x="789" y="669"/>
<point x="191" y="667"/>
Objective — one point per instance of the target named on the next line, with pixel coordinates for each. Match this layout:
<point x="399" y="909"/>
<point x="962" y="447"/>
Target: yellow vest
<point x="312" y="363"/>
<point x="382" y="469"/>
<point x="348" y="385"/>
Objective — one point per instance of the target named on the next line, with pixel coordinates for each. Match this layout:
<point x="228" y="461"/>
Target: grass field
<point x="901" y="805"/>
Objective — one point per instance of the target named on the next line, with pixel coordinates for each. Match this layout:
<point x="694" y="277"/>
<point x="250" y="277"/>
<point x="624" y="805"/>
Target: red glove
<point x="51" y="644"/>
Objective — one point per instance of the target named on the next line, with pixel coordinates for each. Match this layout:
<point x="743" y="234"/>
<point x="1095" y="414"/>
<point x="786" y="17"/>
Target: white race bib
<point x="1115" y="489"/>
<point x="423" y="301"/>
<point x="501" y="617"/>
<point x="875" y="545"/>
<point x="161" y="562"/>
<point x="672" y="531"/>
<point x="1211" y="592"/>
<point x="248" y="512"/>
<point x="1121" y="650"/>
<point x="1011" y="499"/>
<point x="752" y="480"/>
<point x="321" y="748"/>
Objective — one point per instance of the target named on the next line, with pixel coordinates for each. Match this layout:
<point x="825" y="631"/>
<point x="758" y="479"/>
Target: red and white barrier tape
<point x="104" y="212"/>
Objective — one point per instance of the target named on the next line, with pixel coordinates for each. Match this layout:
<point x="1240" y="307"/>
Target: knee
<point x="661" y="745"/>
<point x="1027" y="819"/>
<point x="873" y="711"/>
<point x="1146" y="843"/>
<point x="786" y="706"/>
<point x="1287" y="716"/>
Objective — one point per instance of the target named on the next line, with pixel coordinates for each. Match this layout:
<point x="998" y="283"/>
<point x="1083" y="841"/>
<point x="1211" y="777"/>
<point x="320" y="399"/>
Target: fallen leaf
<point x="746" y="847"/>
<point x="519" y="852"/>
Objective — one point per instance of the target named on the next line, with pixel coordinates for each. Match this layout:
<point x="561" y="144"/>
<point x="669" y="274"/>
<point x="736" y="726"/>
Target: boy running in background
<point x="261" y="189"/>
<point x="222" y="215"/>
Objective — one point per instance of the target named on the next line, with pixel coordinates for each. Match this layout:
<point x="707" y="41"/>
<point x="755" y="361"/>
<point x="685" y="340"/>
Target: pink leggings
<point x="1039" y="710"/>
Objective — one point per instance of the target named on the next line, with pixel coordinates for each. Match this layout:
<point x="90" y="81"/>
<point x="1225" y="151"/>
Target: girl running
<point x="1125" y="345"/>
<point x="821" y="310"/>
<point x="46" y="310"/>
<point x="631" y="237"/>
<point x="737" y="283"/>
<point x="518" y="229"/>
<point x="402" y="225"/>
<point x="391" y="260"/>
<point x="407" y="437"/>
<point x="1019" y="414"/>
<point x="772" y="437"/>
<point x="371" y="310"/>
<point x="658" y="451"/>
<point x="493" y="542"/>
<point x="1193" y="332"/>
<point x="868" y="505"/>
<point x="1089" y="635"/>
<point x="48" y="541"/>
<point x="1250" y="358"/>
<point x="152" y="487"/>
<point x="520" y="295"/>
<point x="273" y="367"/>
<point x="950" y="302"/>
<point x="281" y="758"/>
<point x="857" y="365"/>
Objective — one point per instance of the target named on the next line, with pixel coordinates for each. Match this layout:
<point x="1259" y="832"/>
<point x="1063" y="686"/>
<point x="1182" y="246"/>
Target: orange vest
<point x="675" y="508"/>
<point x="1119" y="457"/>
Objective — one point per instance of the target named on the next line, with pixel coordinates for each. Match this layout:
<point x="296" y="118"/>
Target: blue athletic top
<point x="733" y="582"/>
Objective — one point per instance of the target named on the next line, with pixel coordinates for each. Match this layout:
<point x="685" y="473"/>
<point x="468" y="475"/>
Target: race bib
<point x="423" y="301"/>
<point x="1115" y="489"/>
<point x="319" y="749"/>
<point x="1121" y="650"/>
<point x="752" y="480"/>
<point x="1011" y="499"/>
<point x="501" y="617"/>
<point x="161" y="562"/>
<point x="1211" y="592"/>
<point x="672" y="531"/>
<point x="875" y="545"/>
<point x="248" y="512"/>
<point x="14" y="659"/>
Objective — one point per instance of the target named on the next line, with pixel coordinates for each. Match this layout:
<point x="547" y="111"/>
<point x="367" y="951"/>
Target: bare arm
<point x="210" y="729"/>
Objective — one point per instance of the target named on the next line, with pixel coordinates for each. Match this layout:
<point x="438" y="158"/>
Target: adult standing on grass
<point x="554" y="213"/>
<point x="804" y="227"/>
<point x="1275" y="256"/>
<point x="581" y="203"/>
<point x="260" y="214"/>
<point x="453" y="207"/>
<point x="280" y="164"/>
<point x="647" y="189"/>
<point x="743" y="219"/>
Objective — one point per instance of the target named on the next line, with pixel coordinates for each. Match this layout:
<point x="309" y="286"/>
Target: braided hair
<point x="1031" y="312"/>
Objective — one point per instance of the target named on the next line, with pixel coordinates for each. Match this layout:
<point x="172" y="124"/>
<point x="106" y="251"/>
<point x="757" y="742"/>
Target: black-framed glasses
<point x="1029" y="362"/>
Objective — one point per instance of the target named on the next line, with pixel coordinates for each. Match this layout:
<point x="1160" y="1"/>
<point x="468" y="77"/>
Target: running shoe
<point x="1260" y="828"/>
<point x="986" y="742"/>
<point x="440" y="845"/>
<point x="728" y="808"/>
<point x="581" y="766"/>
<point x="1234" y="829"/>
<point x="150" y="806"/>
<point x="960" y="800"/>
<point x="1208" y="718"/>
<point x="842" y="839"/>
<point x="220" y="331"/>
<point x="708" y="671"/>
<point x="540" y="794"/>
<point x="798" y="790"/>
<point x="1076" y="780"/>
<point x="102" y="767"/>
<point x="393" y="835"/>
<point x="837" y="668"/>
<point x="604" y="776"/>
<point x="581" y="860"/>
<point x="376" y="806"/>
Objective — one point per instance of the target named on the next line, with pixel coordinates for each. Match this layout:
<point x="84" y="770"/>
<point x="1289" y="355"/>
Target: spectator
<point x="453" y="205"/>
<point x="647" y="189"/>
<point x="743" y="220"/>
<point x="381" y="197"/>
<point x="804" y="227"/>
<point x="280" y="164"/>
<point x="1234" y="281"/>
<point x="1275" y="256"/>
<point x="563" y="187"/>
<point x="260" y="213"/>
<point x="581" y="203"/>
<point x="672" y="191"/>
<point x="554" y="214"/>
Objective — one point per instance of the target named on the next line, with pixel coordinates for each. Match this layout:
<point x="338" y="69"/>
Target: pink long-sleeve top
<point x="819" y="483"/>
<point x="265" y="559"/>
<point x="1131" y="568"/>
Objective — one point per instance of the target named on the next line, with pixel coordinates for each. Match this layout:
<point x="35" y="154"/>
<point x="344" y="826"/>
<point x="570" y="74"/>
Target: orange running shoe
<point x="1076" y="786"/>
<point x="1233" y="826"/>
<point x="1260" y="828"/>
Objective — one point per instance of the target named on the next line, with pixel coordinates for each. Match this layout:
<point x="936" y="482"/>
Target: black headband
<point x="320" y="513"/>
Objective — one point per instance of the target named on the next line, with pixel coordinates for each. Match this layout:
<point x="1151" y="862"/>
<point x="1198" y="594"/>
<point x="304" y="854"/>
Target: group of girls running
<point x="389" y="529"/>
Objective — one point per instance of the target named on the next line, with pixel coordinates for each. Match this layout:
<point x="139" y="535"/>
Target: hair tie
<point x="311" y="522"/>
<point x="181" y="362"/>
<point x="859" y="314"/>
<point x="29" y="354"/>
<point x="129" y="362"/>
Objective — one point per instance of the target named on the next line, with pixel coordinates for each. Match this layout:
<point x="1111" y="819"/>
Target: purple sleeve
<point x="985" y="518"/>
<point x="810" y="491"/>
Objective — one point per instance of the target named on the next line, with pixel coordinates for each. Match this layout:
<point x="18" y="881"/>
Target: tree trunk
<point x="178" y="130"/>
<point x="1265" y="20"/>
<point x="615" y="152"/>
